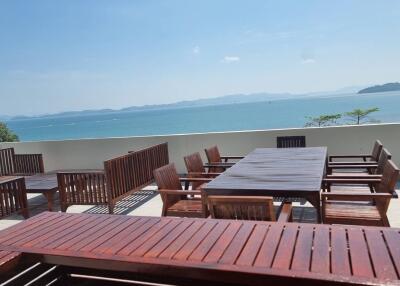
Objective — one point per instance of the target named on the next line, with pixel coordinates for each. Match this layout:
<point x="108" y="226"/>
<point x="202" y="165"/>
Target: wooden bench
<point x="20" y="164"/>
<point x="122" y="176"/>
<point x="13" y="196"/>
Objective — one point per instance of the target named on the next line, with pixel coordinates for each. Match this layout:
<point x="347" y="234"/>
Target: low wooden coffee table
<point x="45" y="183"/>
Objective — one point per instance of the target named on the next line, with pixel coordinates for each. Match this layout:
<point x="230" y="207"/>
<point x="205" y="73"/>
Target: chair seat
<point x="349" y="212"/>
<point x="186" y="208"/>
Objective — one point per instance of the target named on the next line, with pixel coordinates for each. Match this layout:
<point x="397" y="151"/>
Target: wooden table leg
<point x="50" y="199"/>
<point x="315" y="200"/>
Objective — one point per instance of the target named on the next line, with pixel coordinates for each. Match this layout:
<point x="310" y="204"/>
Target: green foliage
<point x="323" y="120"/>
<point x="356" y="116"/>
<point x="6" y="135"/>
<point x="359" y="116"/>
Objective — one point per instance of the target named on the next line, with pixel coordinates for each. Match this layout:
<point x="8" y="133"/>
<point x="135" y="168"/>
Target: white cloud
<point x="308" y="61"/>
<point x="230" y="59"/>
<point x="196" y="50"/>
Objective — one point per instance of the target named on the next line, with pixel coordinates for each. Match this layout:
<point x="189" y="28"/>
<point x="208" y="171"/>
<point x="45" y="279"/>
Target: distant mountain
<point x="393" y="86"/>
<point x="222" y="100"/>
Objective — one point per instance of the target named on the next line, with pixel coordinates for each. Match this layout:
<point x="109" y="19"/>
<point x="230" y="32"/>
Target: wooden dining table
<point x="44" y="183"/>
<point x="209" y="250"/>
<point x="285" y="172"/>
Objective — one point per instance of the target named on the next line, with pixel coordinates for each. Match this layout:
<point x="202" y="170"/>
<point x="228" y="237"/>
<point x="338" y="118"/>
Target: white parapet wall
<point x="90" y="153"/>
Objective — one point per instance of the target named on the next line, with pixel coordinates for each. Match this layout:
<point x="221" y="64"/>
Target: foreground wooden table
<point x="250" y="253"/>
<point x="286" y="172"/>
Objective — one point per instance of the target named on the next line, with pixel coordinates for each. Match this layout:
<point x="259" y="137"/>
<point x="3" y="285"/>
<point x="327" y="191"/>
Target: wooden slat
<point x="253" y="245"/>
<point x="340" y="255"/>
<point x="392" y="239"/>
<point x="285" y="249"/>
<point x="268" y="249"/>
<point x="207" y="243"/>
<point x="380" y="256"/>
<point x="180" y="241"/>
<point x="222" y="243"/>
<point x="320" y="256"/>
<point x="302" y="254"/>
<point x="360" y="261"/>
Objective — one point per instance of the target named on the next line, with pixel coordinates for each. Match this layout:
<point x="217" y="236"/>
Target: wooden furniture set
<point x="288" y="173"/>
<point x="197" y="251"/>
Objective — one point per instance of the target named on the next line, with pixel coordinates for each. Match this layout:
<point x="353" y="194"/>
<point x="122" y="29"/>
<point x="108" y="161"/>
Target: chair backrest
<point x="290" y="141"/>
<point x="241" y="208"/>
<point x="194" y="166"/>
<point x="376" y="151"/>
<point x="167" y="178"/>
<point x="383" y="158"/>
<point x="213" y="156"/>
<point x="134" y="171"/>
<point x="390" y="176"/>
<point x="7" y="164"/>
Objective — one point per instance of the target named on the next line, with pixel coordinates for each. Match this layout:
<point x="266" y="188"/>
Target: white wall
<point x="90" y="153"/>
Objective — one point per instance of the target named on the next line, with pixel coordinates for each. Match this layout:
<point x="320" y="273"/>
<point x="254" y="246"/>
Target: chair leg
<point x="385" y="221"/>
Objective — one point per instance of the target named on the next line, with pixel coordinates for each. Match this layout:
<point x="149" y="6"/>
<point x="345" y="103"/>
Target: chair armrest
<point x="205" y="175"/>
<point x="354" y="166"/>
<point x="204" y="180"/>
<point x="353" y="176"/>
<point x="351" y="180"/>
<point x="218" y="165"/>
<point x="350" y="156"/>
<point x="352" y="163"/>
<point x="180" y="192"/>
<point x="285" y="214"/>
<point x="344" y="196"/>
<point x="232" y="157"/>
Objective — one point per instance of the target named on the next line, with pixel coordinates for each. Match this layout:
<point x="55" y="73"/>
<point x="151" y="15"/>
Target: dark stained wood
<point x="288" y="172"/>
<point x="373" y="157"/>
<point x="349" y="206"/>
<point x="121" y="177"/>
<point x="196" y="169"/>
<point x="247" y="208"/>
<point x="291" y="141"/>
<point x="13" y="196"/>
<point x="227" y="251"/>
<point x="176" y="201"/>
<point x="20" y="164"/>
<point x="214" y="157"/>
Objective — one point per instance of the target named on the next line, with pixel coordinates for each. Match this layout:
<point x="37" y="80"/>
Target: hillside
<point x="394" y="86"/>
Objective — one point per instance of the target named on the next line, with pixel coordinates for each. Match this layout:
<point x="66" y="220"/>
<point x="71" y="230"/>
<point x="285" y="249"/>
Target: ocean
<point x="288" y="113"/>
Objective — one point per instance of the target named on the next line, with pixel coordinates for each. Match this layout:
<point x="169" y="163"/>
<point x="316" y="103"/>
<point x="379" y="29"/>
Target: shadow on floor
<point x="38" y="204"/>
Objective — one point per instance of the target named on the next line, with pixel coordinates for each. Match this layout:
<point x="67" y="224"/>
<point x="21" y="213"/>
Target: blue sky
<point x="72" y="54"/>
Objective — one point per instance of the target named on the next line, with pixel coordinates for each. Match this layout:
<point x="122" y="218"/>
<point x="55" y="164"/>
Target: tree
<point x="6" y="135"/>
<point x="323" y="120"/>
<point x="358" y="116"/>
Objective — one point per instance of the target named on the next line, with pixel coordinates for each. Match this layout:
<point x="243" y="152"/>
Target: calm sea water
<point x="249" y="116"/>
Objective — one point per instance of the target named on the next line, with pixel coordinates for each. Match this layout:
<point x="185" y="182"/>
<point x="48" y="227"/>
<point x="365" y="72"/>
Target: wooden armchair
<point x="365" y="158"/>
<point x="13" y="196"/>
<point x="247" y="208"/>
<point x="196" y="168"/>
<point x="291" y="141"/>
<point x="20" y="164"/>
<point x="177" y="201"/>
<point x="218" y="163"/>
<point x="341" y="207"/>
<point x="357" y="170"/>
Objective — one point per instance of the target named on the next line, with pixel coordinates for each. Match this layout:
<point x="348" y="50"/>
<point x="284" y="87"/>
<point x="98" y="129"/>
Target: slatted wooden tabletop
<point x="286" y="172"/>
<point x="245" y="252"/>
